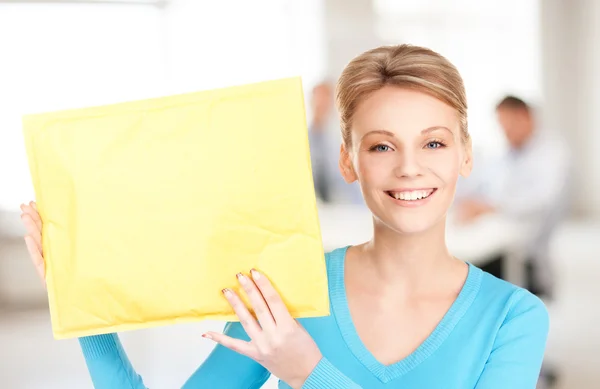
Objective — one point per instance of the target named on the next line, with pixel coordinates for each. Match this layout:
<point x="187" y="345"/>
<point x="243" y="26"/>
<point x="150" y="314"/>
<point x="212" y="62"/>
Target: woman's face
<point x="407" y="154"/>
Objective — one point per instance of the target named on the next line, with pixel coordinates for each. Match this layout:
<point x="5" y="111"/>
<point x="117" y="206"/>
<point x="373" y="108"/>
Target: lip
<point x="410" y="203"/>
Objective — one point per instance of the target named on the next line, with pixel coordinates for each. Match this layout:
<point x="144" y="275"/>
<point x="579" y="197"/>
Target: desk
<point x="492" y="235"/>
<point x="341" y="225"/>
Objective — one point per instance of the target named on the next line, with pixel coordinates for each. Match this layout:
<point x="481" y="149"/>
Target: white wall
<point x="350" y="29"/>
<point x="571" y="59"/>
<point x="593" y="145"/>
<point x="57" y="56"/>
<point x="210" y="46"/>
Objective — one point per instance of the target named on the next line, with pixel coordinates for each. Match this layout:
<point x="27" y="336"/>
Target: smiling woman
<point x="405" y="312"/>
<point x="415" y="156"/>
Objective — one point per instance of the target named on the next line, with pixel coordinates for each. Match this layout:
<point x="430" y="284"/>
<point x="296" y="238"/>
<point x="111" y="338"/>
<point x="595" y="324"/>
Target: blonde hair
<point x="405" y="66"/>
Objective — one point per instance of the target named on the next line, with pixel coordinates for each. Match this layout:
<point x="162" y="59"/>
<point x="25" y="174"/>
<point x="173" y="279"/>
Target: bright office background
<point x="64" y="55"/>
<point x="67" y="54"/>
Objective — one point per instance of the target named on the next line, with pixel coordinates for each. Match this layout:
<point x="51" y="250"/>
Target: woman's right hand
<point x="33" y="223"/>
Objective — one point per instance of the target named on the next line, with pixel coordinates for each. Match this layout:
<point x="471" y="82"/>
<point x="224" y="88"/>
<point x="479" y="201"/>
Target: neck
<point x="412" y="262"/>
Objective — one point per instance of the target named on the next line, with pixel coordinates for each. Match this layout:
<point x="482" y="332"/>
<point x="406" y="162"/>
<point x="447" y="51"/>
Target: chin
<point x="415" y="225"/>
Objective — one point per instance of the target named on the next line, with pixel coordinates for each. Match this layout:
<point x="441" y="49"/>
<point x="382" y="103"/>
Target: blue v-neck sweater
<point x="492" y="337"/>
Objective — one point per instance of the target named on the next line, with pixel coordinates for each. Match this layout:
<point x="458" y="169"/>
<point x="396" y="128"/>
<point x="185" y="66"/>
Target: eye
<point x="434" y="145"/>
<point x="381" y="148"/>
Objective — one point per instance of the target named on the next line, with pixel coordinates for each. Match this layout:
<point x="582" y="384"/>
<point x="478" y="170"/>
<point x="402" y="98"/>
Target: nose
<point x="407" y="165"/>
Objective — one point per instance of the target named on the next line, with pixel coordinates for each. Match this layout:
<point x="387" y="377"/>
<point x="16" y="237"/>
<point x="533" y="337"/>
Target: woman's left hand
<point x="277" y="340"/>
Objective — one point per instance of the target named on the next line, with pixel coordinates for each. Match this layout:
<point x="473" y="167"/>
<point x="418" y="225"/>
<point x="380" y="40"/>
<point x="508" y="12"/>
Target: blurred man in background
<point x="325" y="140"/>
<point x="529" y="183"/>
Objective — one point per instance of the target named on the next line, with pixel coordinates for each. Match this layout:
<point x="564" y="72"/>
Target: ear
<point x="346" y="166"/>
<point x="467" y="163"/>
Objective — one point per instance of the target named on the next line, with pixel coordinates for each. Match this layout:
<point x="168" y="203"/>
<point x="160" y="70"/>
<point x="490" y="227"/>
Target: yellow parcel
<point x="151" y="207"/>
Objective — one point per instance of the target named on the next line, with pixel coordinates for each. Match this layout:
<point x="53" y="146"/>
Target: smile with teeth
<point x="412" y="195"/>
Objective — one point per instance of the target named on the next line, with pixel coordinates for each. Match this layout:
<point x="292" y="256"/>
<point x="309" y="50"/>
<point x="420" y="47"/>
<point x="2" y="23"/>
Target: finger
<point x="278" y="309"/>
<point x="36" y="258"/>
<point x="30" y="224"/>
<point x="261" y="309"/>
<point x="237" y="345"/>
<point x="33" y="231"/>
<point x="35" y="216"/>
<point x="246" y="319"/>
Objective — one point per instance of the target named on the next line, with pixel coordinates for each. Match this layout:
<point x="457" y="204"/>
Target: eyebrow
<point x="425" y="131"/>
<point x="434" y="128"/>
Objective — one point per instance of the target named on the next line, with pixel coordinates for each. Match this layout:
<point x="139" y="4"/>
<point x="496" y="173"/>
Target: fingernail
<point x="255" y="274"/>
<point x="242" y="278"/>
<point x="207" y="336"/>
<point x="226" y="292"/>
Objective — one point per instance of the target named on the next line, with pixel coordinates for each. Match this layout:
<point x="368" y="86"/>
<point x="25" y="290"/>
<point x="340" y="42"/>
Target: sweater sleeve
<point x="108" y="364"/>
<point x="110" y="368"/>
<point x="325" y="375"/>
<point x="518" y="351"/>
